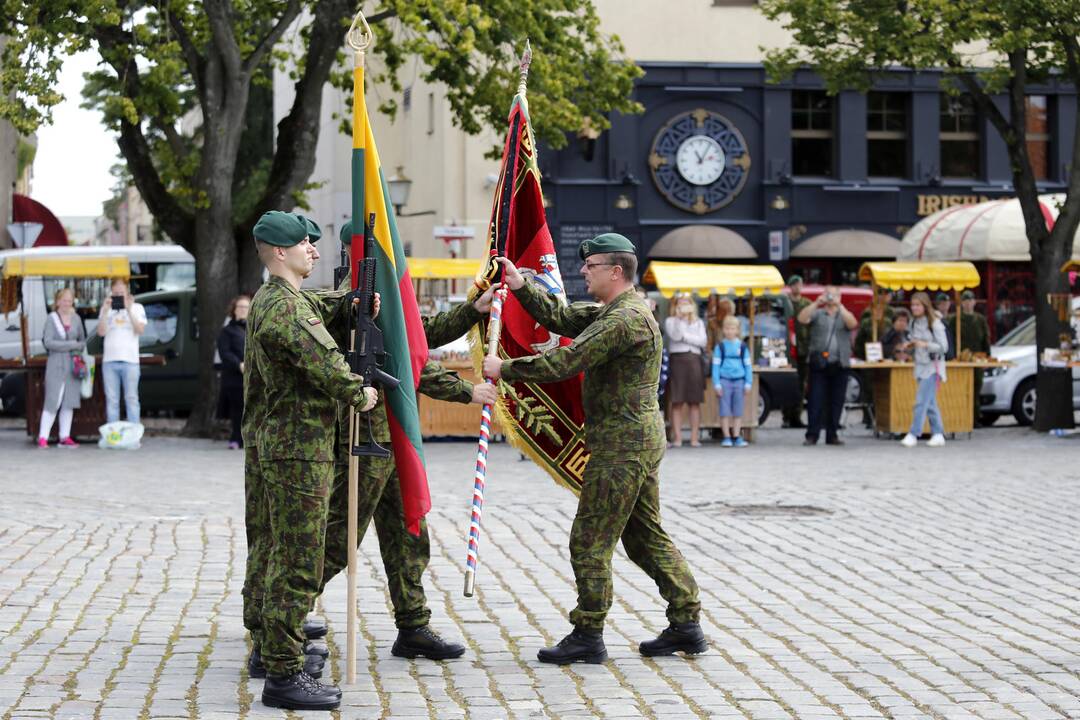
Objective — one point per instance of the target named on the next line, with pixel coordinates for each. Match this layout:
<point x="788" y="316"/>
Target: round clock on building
<point x="699" y="161"/>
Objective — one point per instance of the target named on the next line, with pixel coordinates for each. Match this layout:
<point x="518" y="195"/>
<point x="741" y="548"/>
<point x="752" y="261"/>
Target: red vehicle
<point x="855" y="299"/>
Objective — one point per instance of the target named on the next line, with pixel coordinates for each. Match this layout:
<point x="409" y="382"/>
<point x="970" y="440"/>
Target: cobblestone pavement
<point x="857" y="582"/>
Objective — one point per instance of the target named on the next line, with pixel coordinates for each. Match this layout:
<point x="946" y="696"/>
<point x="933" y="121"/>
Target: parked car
<point x="1011" y="390"/>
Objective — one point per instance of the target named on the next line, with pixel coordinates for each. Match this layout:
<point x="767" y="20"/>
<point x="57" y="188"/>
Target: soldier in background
<point x="617" y="345"/>
<point x="799" y="352"/>
<point x="405" y="556"/>
<point x="294" y="363"/>
<point x="974" y="337"/>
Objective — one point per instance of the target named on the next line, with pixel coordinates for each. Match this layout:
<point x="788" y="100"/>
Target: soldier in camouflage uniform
<point x="301" y="374"/>
<point x="618" y="345"/>
<point x="974" y="336"/>
<point x="405" y="556"/>
<point x="800" y="353"/>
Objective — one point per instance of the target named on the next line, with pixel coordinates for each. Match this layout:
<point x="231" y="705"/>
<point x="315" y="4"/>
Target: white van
<point x="153" y="267"/>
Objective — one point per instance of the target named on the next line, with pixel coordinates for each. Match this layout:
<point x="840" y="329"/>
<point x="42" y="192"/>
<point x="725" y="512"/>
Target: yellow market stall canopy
<point x="107" y="266"/>
<point x="920" y="275"/>
<point x="442" y="268"/>
<point x="705" y="279"/>
<point x="1071" y="266"/>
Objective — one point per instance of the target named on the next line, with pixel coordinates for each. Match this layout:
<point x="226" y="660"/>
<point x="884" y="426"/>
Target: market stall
<point x="436" y="281"/>
<point x="15" y="270"/>
<point x="893" y="383"/>
<point x="740" y="281"/>
<point x="1067" y="354"/>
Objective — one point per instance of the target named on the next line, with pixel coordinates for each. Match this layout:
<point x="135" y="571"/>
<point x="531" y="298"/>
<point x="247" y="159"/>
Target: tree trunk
<point x="1053" y="385"/>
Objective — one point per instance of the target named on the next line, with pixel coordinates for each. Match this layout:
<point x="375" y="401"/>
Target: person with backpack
<point x="733" y="378"/>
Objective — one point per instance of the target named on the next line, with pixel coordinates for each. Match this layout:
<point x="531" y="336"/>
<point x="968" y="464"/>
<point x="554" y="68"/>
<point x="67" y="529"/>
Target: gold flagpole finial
<point x="360" y="37"/>
<point x="526" y="59"/>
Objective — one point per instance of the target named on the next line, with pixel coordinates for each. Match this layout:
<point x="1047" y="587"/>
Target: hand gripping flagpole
<point x="359" y="38"/>
<point x="494" y="331"/>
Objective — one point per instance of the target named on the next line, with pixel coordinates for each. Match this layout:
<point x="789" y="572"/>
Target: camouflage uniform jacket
<point x="974" y="332"/>
<point x="294" y="375"/>
<point x="619" y="348"/>
<point x="435" y="380"/>
<point x="801" y="351"/>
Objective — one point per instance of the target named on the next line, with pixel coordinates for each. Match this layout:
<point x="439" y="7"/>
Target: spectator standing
<point x="829" y="359"/>
<point x="686" y="341"/>
<point x="733" y="378"/>
<point x="64" y="338"/>
<point x="896" y="344"/>
<point x="121" y="322"/>
<point x="943" y="305"/>
<point x="230" y="347"/>
<point x="929" y="339"/>
<point x="974" y="337"/>
<point x="799" y="353"/>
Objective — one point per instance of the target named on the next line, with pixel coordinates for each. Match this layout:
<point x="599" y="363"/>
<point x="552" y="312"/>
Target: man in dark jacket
<point x="230" y="347"/>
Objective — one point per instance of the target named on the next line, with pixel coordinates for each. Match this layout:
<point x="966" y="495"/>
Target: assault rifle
<point x="366" y="355"/>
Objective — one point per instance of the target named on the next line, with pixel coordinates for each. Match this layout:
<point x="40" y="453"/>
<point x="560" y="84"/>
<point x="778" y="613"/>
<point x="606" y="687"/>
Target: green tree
<point x="198" y="64"/>
<point x="990" y="50"/>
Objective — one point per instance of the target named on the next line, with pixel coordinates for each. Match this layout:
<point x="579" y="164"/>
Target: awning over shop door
<point x="703" y="242"/>
<point x="848" y="244"/>
<point x="992" y="230"/>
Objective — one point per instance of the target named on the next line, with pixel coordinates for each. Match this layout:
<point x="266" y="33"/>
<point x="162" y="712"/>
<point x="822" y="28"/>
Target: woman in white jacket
<point x="686" y="339"/>
<point x="930" y="342"/>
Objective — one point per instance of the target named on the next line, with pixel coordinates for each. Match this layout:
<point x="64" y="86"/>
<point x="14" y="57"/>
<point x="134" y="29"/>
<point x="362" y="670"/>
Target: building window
<point x="887" y="134"/>
<point x="959" y="137"/>
<point x="812" y="133"/>
<point x="1037" y="127"/>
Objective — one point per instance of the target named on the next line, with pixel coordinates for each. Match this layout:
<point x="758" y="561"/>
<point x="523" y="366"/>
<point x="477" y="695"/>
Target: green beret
<point x="285" y="229"/>
<point x="345" y="234"/>
<point x="967" y="295"/>
<point x="794" y="279"/>
<point x="941" y="297"/>
<point x="606" y="243"/>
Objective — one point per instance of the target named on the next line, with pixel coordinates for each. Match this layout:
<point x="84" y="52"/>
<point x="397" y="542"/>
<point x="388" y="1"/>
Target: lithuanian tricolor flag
<point x="399" y="316"/>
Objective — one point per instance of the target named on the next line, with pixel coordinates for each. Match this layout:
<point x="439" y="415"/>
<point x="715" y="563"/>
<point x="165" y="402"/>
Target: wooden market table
<point x="710" y="409"/>
<point x="91" y="413"/>
<point x="893" y="386"/>
<point x="442" y="418"/>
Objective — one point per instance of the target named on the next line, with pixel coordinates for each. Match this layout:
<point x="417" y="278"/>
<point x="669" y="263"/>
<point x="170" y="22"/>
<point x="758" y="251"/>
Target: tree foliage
<point x="184" y="84"/>
<point x="990" y="50"/>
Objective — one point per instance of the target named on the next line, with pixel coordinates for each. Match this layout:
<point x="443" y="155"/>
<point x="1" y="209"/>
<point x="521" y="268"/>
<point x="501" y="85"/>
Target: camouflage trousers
<point x="256" y="527"/>
<point x="288" y="555"/>
<point x="620" y="497"/>
<point x="405" y="556"/>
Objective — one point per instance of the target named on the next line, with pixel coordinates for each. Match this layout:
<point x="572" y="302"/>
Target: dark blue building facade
<point x="722" y="165"/>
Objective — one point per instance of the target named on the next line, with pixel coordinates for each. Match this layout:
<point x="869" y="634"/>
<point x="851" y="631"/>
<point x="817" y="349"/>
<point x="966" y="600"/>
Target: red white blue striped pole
<point x="471" y="561"/>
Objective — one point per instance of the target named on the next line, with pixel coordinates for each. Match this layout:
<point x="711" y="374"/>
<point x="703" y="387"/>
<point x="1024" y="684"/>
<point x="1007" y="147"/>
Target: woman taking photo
<point x="64" y="338"/>
<point x="928" y="340"/>
<point x="686" y="338"/>
<point x="230" y="346"/>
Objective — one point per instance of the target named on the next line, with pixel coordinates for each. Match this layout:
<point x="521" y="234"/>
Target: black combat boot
<point x="677" y="637"/>
<point x="424" y="642"/>
<point x="314" y="627"/>
<point x="299" y="691"/>
<point x="313" y="665"/>
<point x="578" y="646"/>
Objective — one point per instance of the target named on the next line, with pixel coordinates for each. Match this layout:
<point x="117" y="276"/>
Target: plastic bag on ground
<point x="121" y="435"/>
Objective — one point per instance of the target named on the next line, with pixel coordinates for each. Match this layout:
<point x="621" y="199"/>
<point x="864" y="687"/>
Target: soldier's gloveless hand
<point x="371" y="396"/>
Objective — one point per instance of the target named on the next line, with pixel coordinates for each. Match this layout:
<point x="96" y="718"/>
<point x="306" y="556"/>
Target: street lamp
<point x="399" y="186"/>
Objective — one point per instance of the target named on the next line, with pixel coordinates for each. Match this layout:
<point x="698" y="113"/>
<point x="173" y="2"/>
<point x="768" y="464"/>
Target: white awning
<point x="992" y="230"/>
<point x="703" y="242"/>
<point x="848" y="244"/>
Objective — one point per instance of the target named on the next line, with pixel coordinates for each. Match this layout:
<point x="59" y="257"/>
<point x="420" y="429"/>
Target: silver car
<point x="1011" y="390"/>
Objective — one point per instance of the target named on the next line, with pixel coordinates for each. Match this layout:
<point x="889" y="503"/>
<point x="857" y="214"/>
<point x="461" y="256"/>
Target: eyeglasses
<point x="590" y="265"/>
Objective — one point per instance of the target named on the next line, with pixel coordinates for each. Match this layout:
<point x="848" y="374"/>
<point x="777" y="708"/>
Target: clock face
<point x="700" y="160"/>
